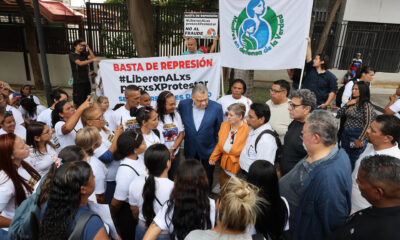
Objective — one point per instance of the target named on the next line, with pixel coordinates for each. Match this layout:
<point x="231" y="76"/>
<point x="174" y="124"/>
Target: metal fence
<point x="378" y="43"/>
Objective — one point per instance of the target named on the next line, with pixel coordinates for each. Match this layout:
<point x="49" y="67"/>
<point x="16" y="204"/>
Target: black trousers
<point x="80" y="92"/>
<point x="209" y="169"/>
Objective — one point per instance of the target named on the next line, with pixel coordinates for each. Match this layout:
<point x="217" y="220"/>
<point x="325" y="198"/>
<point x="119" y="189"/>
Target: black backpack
<point x="279" y="150"/>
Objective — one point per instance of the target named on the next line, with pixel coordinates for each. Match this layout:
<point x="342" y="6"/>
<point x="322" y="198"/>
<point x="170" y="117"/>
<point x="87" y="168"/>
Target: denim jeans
<point x="348" y="136"/>
<point x="3" y="234"/>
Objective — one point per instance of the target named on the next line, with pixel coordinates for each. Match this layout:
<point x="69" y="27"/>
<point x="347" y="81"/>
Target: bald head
<point x="192" y="45"/>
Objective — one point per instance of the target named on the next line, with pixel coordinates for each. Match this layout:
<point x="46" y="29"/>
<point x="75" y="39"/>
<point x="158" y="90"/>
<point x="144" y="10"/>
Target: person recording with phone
<point x="80" y="59"/>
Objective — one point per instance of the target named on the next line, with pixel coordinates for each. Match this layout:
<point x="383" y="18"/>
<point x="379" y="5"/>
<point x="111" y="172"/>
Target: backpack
<point x="339" y="93"/>
<point x="23" y="225"/>
<point x="279" y="150"/>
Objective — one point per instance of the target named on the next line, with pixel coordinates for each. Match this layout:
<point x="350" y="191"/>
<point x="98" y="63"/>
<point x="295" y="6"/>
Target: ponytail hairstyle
<point x="156" y="158"/>
<point x="29" y="106"/>
<point x="7" y="165"/>
<point x="68" y="154"/>
<point x="272" y="218"/>
<point x="143" y="114"/>
<point x="238" y="205"/>
<point x="55" y="114"/>
<point x="161" y="102"/>
<point x="189" y="202"/>
<point x="87" y="138"/>
<point x="35" y="129"/>
<point x="64" y="200"/>
<point x="127" y="142"/>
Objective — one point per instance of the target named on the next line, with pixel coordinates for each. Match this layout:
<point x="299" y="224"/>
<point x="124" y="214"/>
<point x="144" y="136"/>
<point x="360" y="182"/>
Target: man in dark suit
<point x="202" y="119"/>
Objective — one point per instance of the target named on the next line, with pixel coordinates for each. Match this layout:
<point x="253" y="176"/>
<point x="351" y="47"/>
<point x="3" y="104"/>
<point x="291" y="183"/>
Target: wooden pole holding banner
<point x="222" y="83"/>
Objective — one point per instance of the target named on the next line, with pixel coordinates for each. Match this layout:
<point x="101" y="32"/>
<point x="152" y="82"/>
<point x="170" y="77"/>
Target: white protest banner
<point x="264" y="35"/>
<point x="201" y="25"/>
<point x="177" y="74"/>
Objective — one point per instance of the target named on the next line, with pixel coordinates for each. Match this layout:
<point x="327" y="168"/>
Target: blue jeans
<point x="141" y="230"/>
<point x="349" y="135"/>
<point x="110" y="189"/>
<point x="3" y="234"/>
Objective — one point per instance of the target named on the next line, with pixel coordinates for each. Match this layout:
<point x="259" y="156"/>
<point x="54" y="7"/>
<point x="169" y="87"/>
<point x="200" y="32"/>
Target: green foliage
<point x="115" y="1"/>
<point x="119" y="45"/>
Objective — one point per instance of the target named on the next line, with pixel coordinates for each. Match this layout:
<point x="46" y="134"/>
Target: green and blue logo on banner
<point x="257" y="29"/>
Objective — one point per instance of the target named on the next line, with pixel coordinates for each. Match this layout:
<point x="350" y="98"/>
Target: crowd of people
<point x="289" y="170"/>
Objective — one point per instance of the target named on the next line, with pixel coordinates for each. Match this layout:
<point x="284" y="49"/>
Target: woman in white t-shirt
<point x="17" y="178"/>
<point x="65" y="120"/>
<point x="147" y="118"/>
<point x="88" y="138"/>
<point x="104" y="105"/>
<point x="30" y="110"/>
<point x="42" y="152"/>
<point x="94" y="116"/>
<point x="129" y="146"/>
<point x="273" y="219"/>
<point x="189" y="198"/>
<point x="238" y="89"/>
<point x="170" y="126"/>
<point x="8" y="125"/>
<point x="148" y="194"/>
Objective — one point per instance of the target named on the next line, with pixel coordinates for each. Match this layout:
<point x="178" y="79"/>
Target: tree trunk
<point x="248" y="78"/>
<point x="141" y="24"/>
<point x="32" y="45"/>
<point x="328" y="26"/>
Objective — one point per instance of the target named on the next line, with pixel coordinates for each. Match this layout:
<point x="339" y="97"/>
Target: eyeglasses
<point x="99" y="118"/>
<point x="294" y="105"/>
<point x="275" y="91"/>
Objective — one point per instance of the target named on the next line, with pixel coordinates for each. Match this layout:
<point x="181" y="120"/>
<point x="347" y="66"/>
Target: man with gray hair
<point x="302" y="104"/>
<point x="318" y="188"/>
<point x="379" y="182"/>
<point x="202" y="119"/>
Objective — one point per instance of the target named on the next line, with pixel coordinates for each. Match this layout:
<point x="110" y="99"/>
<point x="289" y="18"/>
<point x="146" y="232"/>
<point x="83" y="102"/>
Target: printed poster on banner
<point x="201" y="25"/>
<point x="177" y="74"/>
<point x="264" y="35"/>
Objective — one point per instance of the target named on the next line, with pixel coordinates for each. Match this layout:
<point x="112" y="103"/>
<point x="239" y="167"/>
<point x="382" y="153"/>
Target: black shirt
<point x="80" y="74"/>
<point x="321" y="84"/>
<point x="293" y="150"/>
<point x="371" y="223"/>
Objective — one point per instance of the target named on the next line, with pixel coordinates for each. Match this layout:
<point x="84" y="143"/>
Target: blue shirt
<point x="321" y="84"/>
<point x="92" y="227"/>
<point x="198" y="115"/>
<point x="189" y="53"/>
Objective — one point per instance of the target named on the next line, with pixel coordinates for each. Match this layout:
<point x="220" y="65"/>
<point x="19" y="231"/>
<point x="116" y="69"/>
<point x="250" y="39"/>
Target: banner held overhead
<point x="264" y="35"/>
<point x="177" y="74"/>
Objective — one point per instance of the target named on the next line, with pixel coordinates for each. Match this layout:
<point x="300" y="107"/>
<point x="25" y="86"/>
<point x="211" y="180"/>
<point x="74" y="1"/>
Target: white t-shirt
<point x="45" y="116"/>
<point x="280" y="118"/>
<point x="228" y="100"/>
<point x="164" y="187"/>
<point x="165" y="222"/>
<point x="99" y="89"/>
<point x="17" y="115"/>
<point x="106" y="142"/>
<point x="125" y="175"/>
<point x="127" y="121"/>
<point x="42" y="162"/>
<point x="7" y="193"/>
<point x="151" y="139"/>
<point x="396" y="108"/>
<point x="107" y="117"/>
<point x="19" y="130"/>
<point x="170" y="129"/>
<point x="99" y="172"/>
<point x="39" y="109"/>
<point x="66" y="139"/>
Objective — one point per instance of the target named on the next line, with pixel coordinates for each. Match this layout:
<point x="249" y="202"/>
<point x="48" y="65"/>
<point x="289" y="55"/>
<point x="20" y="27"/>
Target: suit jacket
<point x="203" y="141"/>
<point x="230" y="161"/>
